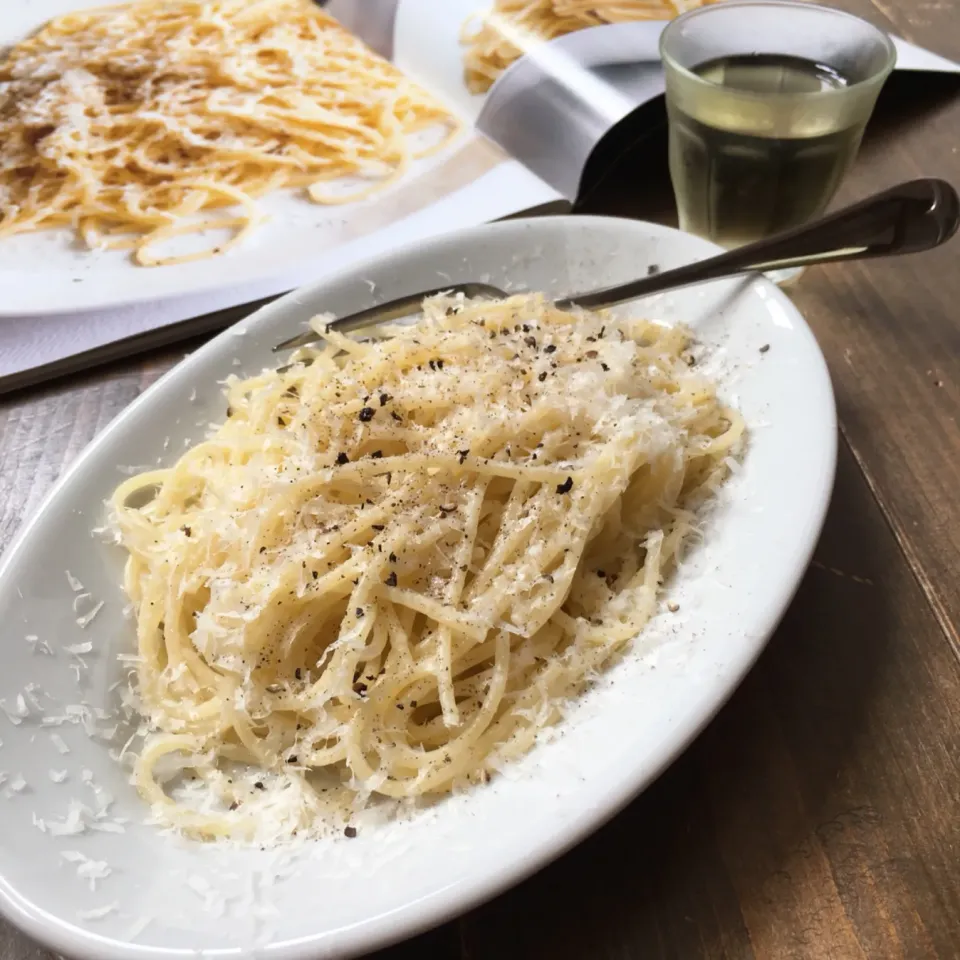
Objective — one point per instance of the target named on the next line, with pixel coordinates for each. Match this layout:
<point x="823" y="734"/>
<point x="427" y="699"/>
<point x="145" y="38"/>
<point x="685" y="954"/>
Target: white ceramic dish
<point x="344" y="897"/>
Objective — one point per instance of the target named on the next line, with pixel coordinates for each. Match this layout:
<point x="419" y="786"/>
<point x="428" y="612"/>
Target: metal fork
<point x="909" y="218"/>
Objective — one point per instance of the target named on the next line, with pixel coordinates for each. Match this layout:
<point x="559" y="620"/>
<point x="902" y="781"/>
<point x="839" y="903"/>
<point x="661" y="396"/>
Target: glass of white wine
<point x="767" y="103"/>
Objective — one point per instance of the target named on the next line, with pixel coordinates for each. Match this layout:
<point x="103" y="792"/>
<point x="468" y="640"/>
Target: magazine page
<point x="72" y="285"/>
<point x="538" y="96"/>
<point x="548" y="81"/>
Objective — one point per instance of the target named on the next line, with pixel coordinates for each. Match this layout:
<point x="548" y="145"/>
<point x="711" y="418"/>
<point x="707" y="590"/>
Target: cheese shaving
<point x="98" y="913"/>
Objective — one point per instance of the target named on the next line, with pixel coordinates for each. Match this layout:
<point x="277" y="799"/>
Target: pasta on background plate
<point x="497" y="37"/>
<point x="137" y="124"/>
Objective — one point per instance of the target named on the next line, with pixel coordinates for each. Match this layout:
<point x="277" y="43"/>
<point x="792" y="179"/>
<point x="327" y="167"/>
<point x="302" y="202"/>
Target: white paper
<point x="910" y="57"/>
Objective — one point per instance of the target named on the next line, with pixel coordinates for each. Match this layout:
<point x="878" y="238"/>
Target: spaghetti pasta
<point x="389" y="568"/>
<point x="500" y="35"/>
<point x="137" y="123"/>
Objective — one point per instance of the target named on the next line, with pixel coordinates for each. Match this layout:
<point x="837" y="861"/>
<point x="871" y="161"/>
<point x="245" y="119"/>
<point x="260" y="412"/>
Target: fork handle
<point x="392" y="310"/>
<point x="911" y="217"/>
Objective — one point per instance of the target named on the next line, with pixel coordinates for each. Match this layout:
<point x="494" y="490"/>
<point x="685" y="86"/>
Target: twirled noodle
<point x="500" y="35"/>
<point x="396" y="559"/>
<point x="132" y="124"/>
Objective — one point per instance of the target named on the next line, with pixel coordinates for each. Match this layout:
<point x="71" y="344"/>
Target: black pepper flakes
<point x="342" y="458"/>
<point x="186" y="530"/>
<point x="549" y="348"/>
<point x="298" y="673"/>
<point x="392" y="557"/>
<point x="602" y="574"/>
<point x="604" y="367"/>
<point x="765" y="348"/>
<point x="396" y="416"/>
<point x="566" y="486"/>
<point x="377" y="454"/>
<point x="385" y="398"/>
<point x="349" y="832"/>
<point x="391" y="581"/>
<point x="543" y="376"/>
<point x="592" y="354"/>
<point x="259" y="785"/>
<point x="462" y="455"/>
<point x="378" y="527"/>
<point x="366" y="414"/>
<point x="530" y="342"/>
<point x="359" y="613"/>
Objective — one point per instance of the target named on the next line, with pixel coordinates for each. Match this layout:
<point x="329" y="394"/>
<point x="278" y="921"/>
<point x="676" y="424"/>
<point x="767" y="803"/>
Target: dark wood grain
<point x="815" y="818"/>
<point x="819" y="815"/>
<point x="891" y="331"/>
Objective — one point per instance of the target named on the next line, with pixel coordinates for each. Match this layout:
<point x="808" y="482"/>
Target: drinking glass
<point x="767" y="102"/>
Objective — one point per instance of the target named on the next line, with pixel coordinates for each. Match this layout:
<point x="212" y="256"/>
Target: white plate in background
<point x="53" y="272"/>
<point x="340" y="898"/>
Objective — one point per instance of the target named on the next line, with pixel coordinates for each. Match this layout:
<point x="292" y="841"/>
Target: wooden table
<point x="819" y="815"/>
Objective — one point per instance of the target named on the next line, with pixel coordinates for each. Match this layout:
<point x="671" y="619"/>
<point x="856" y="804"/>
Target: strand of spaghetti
<point x="453" y="593"/>
<point x="457" y="463"/>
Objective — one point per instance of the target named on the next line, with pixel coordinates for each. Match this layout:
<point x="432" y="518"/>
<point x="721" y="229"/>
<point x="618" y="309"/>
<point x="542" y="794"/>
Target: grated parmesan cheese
<point x="14" y="714"/>
<point x="37" y="645"/>
<point x="17" y="784"/>
<point x="87" y="869"/>
<point x="88" y="618"/>
<point x="98" y="913"/>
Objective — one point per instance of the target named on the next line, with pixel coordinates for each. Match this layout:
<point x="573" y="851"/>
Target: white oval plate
<point x="342" y="897"/>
